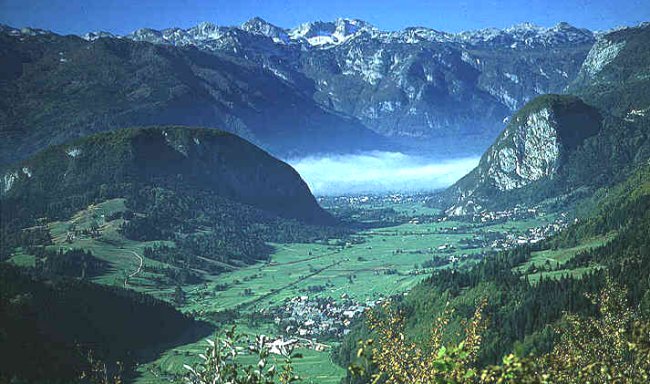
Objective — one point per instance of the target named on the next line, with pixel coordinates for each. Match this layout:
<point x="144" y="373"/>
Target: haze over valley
<point x="380" y="172"/>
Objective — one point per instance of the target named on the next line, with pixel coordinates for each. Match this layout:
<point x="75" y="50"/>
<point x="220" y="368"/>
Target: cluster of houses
<point x="498" y="240"/>
<point x="310" y="317"/>
<point x="516" y="213"/>
<point x="537" y="234"/>
<point x="284" y="346"/>
<point x="370" y="199"/>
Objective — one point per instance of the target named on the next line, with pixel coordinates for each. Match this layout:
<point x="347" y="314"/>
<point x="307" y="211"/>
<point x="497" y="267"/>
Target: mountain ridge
<point x="393" y="81"/>
<point x="343" y="28"/>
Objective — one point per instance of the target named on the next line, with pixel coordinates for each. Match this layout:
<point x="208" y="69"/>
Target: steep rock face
<point x="616" y="73"/>
<point x="532" y="149"/>
<point x="528" y="152"/>
<point x="404" y="91"/>
<point x="262" y="27"/>
<point x="173" y="157"/>
<point x="606" y="49"/>
<point x="602" y="53"/>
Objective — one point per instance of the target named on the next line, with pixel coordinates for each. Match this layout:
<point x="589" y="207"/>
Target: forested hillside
<point x="214" y="194"/>
<point x="49" y="328"/>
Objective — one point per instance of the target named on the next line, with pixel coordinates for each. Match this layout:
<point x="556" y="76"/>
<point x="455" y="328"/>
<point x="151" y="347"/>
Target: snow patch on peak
<point x="414" y="35"/>
<point x="204" y="31"/>
<point x="27" y="31"/>
<point x="73" y="152"/>
<point x="92" y="36"/>
<point x="528" y="34"/>
<point x="332" y="33"/>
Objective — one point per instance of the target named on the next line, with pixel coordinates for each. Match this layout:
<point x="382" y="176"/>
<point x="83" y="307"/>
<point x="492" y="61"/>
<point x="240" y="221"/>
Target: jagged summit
<point x="26" y="31"/>
<point x="92" y="36"/>
<point x="204" y="31"/>
<point x="322" y="33"/>
<point x="527" y="34"/>
<point x="259" y="26"/>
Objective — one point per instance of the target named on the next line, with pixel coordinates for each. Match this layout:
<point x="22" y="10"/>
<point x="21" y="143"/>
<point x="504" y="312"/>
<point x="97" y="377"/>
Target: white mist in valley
<point x="379" y="172"/>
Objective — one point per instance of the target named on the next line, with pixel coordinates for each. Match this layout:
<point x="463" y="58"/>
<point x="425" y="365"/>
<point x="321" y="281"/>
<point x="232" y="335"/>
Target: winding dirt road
<point x="126" y="280"/>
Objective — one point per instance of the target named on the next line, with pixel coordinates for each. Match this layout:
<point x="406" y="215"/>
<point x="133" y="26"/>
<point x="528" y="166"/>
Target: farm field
<point x="123" y="255"/>
<point x="565" y="254"/>
<point x="556" y="258"/>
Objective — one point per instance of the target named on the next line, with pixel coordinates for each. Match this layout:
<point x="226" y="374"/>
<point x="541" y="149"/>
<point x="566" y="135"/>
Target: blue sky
<point x="124" y="16"/>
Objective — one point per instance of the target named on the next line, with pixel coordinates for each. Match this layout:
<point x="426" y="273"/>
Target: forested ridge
<point x="212" y="193"/>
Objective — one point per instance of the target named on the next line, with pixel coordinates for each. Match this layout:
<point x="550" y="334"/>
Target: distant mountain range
<point x="417" y="82"/>
<point x="338" y="86"/>
<point x="327" y="34"/>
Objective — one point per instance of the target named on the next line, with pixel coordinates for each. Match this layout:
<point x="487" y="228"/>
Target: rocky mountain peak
<point x="204" y="31"/>
<point x="92" y="36"/>
<point x="528" y="34"/>
<point x="26" y="31"/>
<point x="259" y="26"/>
<point x="329" y="33"/>
<point x="147" y="34"/>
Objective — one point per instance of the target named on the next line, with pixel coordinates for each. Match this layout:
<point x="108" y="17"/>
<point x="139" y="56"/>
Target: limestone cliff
<point x="532" y="149"/>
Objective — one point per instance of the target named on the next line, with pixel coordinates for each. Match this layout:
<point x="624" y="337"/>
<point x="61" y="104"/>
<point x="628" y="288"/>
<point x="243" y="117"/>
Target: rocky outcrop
<point x="603" y="52"/>
<point x="600" y="55"/>
<point x="529" y="151"/>
<point x="532" y="149"/>
<point x="615" y="74"/>
<point x="561" y="146"/>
